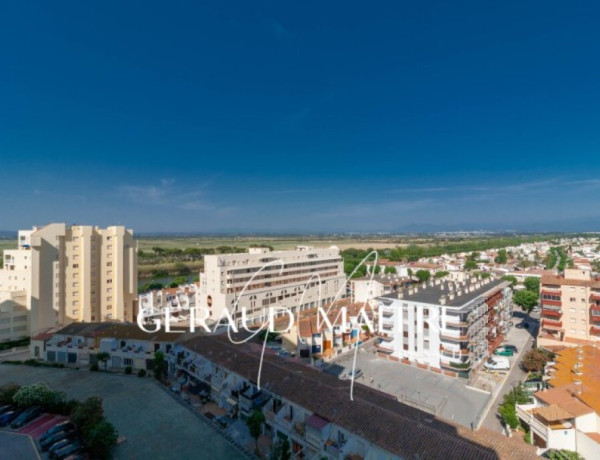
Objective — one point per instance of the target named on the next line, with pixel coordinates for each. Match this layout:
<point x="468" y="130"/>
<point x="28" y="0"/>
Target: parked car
<point x="503" y="351"/>
<point x="26" y="417"/>
<point x="67" y="425"/>
<point x="49" y="441"/>
<point x="356" y="373"/>
<point x="6" y="408"/>
<point x="66" y="451"/>
<point x="59" y="445"/>
<point x="9" y="416"/>
<point x="510" y="347"/>
<point x="497" y="363"/>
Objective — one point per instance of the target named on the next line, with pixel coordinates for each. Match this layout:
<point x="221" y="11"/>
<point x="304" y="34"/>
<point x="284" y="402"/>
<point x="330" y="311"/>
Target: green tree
<point x="532" y="284"/>
<point x="512" y="279"/>
<point x="103" y="357"/>
<point x="100" y="440"/>
<point x="535" y="360"/>
<point x="470" y="265"/>
<point x="88" y="414"/>
<point x="502" y="257"/>
<point x="159" y="365"/>
<point x="423" y="275"/>
<point x="441" y="274"/>
<point x="390" y="270"/>
<point x="255" y="423"/>
<point x="526" y="300"/>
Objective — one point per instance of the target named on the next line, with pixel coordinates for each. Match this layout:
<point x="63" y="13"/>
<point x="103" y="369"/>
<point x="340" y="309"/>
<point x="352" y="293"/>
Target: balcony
<point x="456" y="322"/>
<point x="550" y="323"/>
<point x="454" y="338"/>
<point x="553" y="312"/>
<point x="553" y="303"/>
<point x="595" y="296"/>
<point x="549" y="292"/>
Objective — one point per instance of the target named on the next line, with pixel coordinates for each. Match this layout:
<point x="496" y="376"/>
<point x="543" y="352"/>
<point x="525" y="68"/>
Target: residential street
<point x="523" y="339"/>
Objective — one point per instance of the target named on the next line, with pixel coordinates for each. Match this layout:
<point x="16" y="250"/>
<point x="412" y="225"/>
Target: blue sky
<point x="300" y="116"/>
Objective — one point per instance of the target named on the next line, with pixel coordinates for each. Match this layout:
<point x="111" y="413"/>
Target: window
<point x="109" y="281"/>
<point x="76" y="303"/>
<point x="75" y="284"/>
<point x="109" y="307"/>
<point x="109" y="247"/>
<point x="572" y="320"/>
<point x="572" y="299"/>
<point x="75" y="265"/>
<point x="572" y="310"/>
<point x="128" y="361"/>
<point x="109" y="299"/>
<point x="109" y="316"/>
<point x="75" y="248"/>
<point x="75" y="312"/>
<point x="109" y="264"/>
<point x="109" y="273"/>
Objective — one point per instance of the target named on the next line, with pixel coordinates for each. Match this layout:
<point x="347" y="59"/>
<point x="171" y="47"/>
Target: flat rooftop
<point x="426" y="293"/>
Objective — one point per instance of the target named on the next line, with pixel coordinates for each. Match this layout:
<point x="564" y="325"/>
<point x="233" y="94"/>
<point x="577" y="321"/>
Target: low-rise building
<point x="567" y="416"/>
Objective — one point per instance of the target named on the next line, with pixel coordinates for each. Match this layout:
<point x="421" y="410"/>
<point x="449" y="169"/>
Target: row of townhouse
<point x="567" y="414"/>
<point x="312" y="409"/>
<point x="79" y="344"/>
<point x="316" y="413"/>
<point x="444" y="325"/>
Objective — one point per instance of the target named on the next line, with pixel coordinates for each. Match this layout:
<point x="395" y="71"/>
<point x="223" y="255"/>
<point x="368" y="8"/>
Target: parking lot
<point x="153" y="424"/>
<point x="448" y="397"/>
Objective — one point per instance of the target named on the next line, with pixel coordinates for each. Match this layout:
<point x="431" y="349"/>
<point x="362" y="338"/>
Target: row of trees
<point x="99" y="436"/>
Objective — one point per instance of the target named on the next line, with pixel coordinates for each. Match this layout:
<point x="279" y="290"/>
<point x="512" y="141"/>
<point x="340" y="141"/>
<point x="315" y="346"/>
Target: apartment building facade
<point x="570" y="308"/>
<point x="271" y="278"/>
<point x="73" y="273"/>
<point x="444" y="325"/>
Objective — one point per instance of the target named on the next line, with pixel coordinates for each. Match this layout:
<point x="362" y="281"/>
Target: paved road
<point x="523" y="339"/>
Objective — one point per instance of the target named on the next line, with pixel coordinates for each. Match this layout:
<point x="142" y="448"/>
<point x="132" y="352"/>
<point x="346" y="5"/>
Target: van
<point x="497" y="363"/>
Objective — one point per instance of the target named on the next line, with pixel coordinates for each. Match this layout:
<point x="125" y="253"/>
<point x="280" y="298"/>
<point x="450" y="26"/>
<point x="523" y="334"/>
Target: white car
<point x="497" y="363"/>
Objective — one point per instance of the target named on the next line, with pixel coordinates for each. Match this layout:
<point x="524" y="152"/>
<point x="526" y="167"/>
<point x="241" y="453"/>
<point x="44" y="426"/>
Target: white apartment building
<point x="273" y="278"/>
<point x="73" y="273"/>
<point x="450" y="326"/>
<point x="367" y="288"/>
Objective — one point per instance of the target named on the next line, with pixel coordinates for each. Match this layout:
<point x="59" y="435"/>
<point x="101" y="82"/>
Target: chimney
<point x="400" y="294"/>
<point x="451" y="296"/>
<point x="459" y="293"/>
<point x="443" y="300"/>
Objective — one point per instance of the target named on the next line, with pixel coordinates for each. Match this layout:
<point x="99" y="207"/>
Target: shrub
<point x="141" y="373"/>
<point x="7" y="392"/>
<point x="94" y="367"/>
<point x="37" y="394"/>
<point x="128" y="370"/>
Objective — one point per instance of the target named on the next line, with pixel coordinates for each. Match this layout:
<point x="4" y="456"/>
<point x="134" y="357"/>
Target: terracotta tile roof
<point x="117" y="331"/>
<point x="552" y="413"/>
<point x="564" y="376"/>
<point x="399" y="429"/>
<point x="559" y="280"/>
<point x="565" y="398"/>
